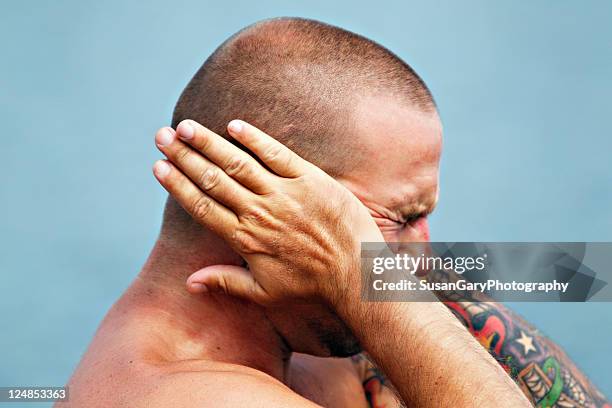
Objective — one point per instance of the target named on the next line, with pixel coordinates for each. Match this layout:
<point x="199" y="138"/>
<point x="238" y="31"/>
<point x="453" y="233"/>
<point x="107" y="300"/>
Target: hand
<point x="298" y="228"/>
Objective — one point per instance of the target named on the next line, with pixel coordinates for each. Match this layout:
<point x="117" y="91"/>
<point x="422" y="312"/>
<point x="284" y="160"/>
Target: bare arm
<point x="543" y="371"/>
<point x="432" y="356"/>
<point x="546" y="375"/>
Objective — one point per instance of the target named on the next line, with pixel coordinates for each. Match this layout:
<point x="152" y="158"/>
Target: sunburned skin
<point x="399" y="185"/>
<point x="160" y="346"/>
<point x="422" y="227"/>
<point x="248" y="205"/>
<point x="538" y="389"/>
<point x="159" y="340"/>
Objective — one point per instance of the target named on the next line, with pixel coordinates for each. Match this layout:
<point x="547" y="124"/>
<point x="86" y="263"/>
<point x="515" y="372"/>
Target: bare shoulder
<point x="211" y="384"/>
<point x="183" y="384"/>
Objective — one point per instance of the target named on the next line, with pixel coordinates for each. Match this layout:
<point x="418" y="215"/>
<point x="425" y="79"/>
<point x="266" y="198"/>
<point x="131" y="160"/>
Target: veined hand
<point x="298" y="229"/>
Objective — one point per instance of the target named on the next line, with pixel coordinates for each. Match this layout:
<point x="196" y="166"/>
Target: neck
<point x="210" y="327"/>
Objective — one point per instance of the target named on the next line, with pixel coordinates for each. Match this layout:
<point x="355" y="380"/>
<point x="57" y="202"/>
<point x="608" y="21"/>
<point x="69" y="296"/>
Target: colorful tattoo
<point x="378" y="391"/>
<point x="544" y="373"/>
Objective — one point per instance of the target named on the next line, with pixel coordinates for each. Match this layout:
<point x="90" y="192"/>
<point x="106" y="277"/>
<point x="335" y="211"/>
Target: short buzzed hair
<point x="297" y="80"/>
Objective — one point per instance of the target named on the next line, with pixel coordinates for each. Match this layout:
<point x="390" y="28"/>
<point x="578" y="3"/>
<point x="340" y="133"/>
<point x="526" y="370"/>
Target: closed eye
<point x="412" y="218"/>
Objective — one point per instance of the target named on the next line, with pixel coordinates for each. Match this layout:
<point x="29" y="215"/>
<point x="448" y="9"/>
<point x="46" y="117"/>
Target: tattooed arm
<point x="543" y="371"/>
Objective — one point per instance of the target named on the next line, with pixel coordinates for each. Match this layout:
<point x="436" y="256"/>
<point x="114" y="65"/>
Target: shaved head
<point x="300" y="81"/>
<point x="345" y="104"/>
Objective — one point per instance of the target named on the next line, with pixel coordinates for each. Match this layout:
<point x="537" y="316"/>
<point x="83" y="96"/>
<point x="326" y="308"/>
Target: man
<point x="161" y="346"/>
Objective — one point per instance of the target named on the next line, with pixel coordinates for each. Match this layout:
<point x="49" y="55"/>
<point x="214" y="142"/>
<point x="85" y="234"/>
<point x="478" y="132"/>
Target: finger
<point x="278" y="157"/>
<point x="234" y="161"/>
<point x="206" y="175"/>
<point x="229" y="279"/>
<point x="202" y="208"/>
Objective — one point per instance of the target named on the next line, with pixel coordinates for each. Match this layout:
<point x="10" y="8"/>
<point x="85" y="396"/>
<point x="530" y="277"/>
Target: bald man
<point x="363" y="116"/>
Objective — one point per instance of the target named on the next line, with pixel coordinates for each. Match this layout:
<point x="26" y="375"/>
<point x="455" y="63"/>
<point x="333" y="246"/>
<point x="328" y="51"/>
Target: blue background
<point x="523" y="89"/>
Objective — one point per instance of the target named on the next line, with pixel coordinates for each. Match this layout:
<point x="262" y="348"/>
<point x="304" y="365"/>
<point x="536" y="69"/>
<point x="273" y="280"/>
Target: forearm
<point x="444" y="365"/>
<point x="543" y="371"/>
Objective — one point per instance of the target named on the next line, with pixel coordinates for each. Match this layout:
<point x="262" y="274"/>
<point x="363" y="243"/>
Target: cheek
<point x="422" y="227"/>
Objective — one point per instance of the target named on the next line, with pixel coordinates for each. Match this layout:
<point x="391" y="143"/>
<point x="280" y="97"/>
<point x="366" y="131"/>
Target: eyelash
<point x="412" y="218"/>
<point x="386" y="222"/>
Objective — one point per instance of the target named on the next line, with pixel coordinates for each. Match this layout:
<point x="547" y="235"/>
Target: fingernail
<point x="185" y="130"/>
<point x="235" y="126"/>
<point x="199" y="287"/>
<point x="164" y="137"/>
<point x="161" y="168"/>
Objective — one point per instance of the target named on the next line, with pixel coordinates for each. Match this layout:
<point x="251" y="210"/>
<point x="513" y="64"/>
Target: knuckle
<point x="223" y="285"/>
<point x="257" y="215"/>
<point x="201" y="207"/>
<point x="244" y="242"/>
<point x="272" y="153"/>
<point x="182" y="154"/>
<point x="209" y="179"/>
<point x="237" y="165"/>
<point x="202" y="141"/>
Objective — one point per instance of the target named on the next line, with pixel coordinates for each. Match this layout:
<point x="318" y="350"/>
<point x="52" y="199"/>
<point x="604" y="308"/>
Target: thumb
<point x="229" y="279"/>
